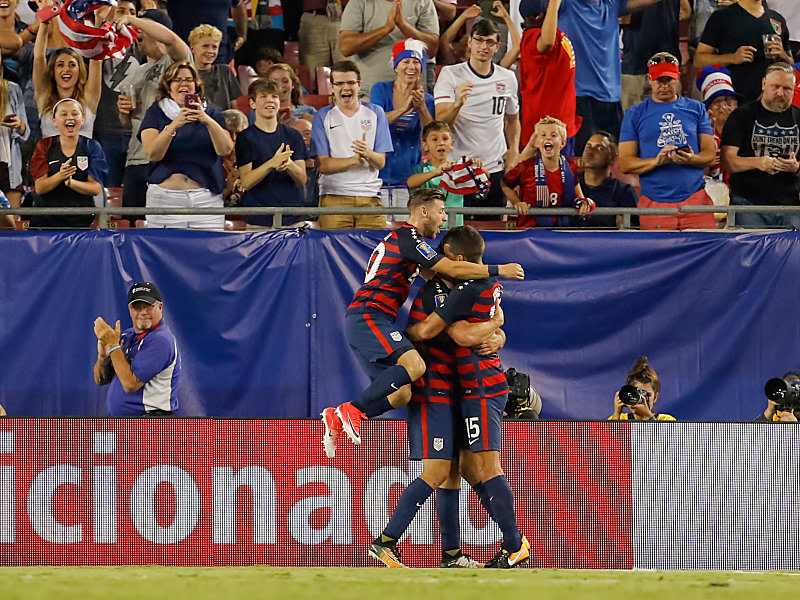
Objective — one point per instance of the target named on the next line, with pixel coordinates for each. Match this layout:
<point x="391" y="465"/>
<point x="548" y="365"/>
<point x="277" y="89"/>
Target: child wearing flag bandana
<point x="543" y="179"/>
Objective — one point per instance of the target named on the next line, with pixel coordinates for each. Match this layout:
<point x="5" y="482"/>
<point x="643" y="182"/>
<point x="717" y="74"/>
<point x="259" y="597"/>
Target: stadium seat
<point x="291" y="54"/>
<point x="304" y="75"/>
<point x="141" y="224"/>
<point x="235" y="225"/>
<point x="323" y="75"/>
<point x="22" y="225"/>
<point x="114" y="198"/>
<point x="243" y="104"/>
<point x="317" y="100"/>
<point x="492" y="225"/>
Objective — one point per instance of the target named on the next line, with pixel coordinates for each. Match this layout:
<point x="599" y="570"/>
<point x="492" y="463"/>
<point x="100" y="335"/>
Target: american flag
<point x="465" y="178"/>
<point x="76" y="23"/>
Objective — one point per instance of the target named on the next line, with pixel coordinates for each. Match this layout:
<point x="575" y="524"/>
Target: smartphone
<point x="284" y="112"/>
<point x="683" y="149"/>
<point x="9" y="118"/>
<point x="190" y="99"/>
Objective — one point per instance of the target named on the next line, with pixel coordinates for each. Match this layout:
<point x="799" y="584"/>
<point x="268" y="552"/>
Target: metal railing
<point x="103" y="213"/>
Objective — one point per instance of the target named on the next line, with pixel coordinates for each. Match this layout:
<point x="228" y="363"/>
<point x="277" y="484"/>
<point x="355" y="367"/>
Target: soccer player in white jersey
<point x="350" y="139"/>
<point x="478" y="99"/>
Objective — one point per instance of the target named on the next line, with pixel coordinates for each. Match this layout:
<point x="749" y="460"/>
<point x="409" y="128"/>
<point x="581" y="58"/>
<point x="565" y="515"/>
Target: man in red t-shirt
<point x="547" y="71"/>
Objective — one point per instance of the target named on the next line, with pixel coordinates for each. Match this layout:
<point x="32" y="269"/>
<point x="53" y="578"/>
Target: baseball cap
<point x="159" y="16"/>
<point x="144" y="291"/>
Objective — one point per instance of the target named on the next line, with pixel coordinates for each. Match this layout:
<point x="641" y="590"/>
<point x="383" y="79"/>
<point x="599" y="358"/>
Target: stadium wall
<point x="259" y="317"/>
<point x="239" y="492"/>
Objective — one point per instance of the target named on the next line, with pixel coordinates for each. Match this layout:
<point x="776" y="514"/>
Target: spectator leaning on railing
<point x="67" y="169"/>
<point x="667" y="140"/>
<point x="760" y="143"/>
<point x="185" y="140"/>
<point x="271" y="157"/>
<point x="351" y="140"/>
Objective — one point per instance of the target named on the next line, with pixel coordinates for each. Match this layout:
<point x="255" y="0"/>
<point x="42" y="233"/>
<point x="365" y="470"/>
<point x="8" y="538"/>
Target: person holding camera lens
<point x="639" y="395"/>
<point x="783" y="399"/>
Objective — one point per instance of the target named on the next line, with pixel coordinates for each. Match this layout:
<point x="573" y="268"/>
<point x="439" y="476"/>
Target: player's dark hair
<point x="345" y="66"/>
<point x="435" y="126"/>
<point x="466" y="241"/>
<point x="642" y="372"/>
<point x="484" y="28"/>
<point x="422" y="196"/>
<point x="263" y="85"/>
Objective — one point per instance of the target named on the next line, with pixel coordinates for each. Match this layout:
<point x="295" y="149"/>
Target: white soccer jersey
<point x="478" y="131"/>
<point x="333" y="134"/>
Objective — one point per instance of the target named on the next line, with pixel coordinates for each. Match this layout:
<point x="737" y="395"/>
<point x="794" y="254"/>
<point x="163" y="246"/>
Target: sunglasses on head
<point x="662" y="59"/>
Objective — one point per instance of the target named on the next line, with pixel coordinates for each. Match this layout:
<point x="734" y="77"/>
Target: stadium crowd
<point x="521" y="105"/>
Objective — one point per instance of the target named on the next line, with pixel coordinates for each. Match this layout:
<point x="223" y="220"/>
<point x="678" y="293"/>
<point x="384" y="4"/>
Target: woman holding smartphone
<point x="185" y="140"/>
<point x="13" y="130"/>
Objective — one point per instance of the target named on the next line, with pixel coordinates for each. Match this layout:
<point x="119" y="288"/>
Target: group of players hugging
<point x="445" y="367"/>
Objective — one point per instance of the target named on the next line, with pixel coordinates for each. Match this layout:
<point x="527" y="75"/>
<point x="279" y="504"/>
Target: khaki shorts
<point x="350" y="221"/>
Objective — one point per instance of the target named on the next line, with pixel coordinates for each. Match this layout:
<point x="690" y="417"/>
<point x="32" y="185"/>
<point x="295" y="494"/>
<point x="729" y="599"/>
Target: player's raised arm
<point x="468" y="270"/>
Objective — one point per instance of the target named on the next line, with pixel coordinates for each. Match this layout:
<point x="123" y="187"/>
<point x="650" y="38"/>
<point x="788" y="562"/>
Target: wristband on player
<point x="114" y="348"/>
<point x="494" y="270"/>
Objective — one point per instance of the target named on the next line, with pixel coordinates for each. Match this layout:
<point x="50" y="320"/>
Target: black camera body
<point x="524" y="402"/>
<point x="630" y="395"/>
<point x="786" y="395"/>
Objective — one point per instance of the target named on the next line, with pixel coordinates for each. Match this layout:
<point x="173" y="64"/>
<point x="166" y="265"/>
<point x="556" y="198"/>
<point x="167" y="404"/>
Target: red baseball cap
<point x="664" y="69"/>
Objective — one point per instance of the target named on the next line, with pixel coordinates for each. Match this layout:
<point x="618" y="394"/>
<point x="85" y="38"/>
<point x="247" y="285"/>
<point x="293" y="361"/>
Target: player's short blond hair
<point x="203" y="31"/>
<point x="548" y="120"/>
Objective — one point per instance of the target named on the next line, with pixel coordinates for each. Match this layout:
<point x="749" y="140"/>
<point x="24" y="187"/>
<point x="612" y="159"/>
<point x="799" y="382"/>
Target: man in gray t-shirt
<point x="370" y="28"/>
<point x="161" y="47"/>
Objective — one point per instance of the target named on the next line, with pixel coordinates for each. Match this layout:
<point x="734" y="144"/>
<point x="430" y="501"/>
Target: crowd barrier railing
<point x="278" y="213"/>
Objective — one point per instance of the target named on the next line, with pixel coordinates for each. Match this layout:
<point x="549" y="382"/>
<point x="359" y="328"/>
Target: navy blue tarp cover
<point x="259" y="317"/>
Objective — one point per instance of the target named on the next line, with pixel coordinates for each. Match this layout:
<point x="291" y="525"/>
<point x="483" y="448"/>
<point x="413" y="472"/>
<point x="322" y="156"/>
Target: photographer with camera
<point x="639" y="394"/>
<point x="783" y="399"/>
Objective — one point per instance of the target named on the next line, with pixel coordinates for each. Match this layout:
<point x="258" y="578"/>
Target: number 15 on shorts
<point x="473" y="429"/>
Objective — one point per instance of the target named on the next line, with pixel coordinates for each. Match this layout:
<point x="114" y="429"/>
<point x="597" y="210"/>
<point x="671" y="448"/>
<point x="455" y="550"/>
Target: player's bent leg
<point x="468" y="471"/>
<point x="413" y="364"/>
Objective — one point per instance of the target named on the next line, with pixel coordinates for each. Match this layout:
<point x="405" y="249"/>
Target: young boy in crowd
<point x="437" y="142"/>
<point x="547" y="70"/>
<point x="542" y="178"/>
<point x="271" y="157"/>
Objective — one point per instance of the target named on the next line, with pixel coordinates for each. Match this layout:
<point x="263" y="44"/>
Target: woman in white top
<point x="64" y="75"/>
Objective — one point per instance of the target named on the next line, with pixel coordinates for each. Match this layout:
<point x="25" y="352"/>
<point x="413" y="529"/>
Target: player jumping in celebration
<point x="433" y="417"/>
<point x="484" y="392"/>
<point x="390" y="359"/>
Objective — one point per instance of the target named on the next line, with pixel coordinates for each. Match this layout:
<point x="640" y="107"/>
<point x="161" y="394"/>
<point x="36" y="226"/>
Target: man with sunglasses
<point x="350" y="139"/>
<point x="142" y="363"/>
<point x="667" y="140"/>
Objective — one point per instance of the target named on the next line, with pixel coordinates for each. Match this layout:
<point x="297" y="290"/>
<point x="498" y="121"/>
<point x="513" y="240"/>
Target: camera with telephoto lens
<point x="630" y="395"/>
<point x="783" y="393"/>
<point x="524" y="402"/>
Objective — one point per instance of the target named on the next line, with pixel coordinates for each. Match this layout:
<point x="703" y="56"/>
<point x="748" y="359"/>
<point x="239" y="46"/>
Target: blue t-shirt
<point x="406" y="135"/>
<point x="657" y="124"/>
<point x="155" y="360"/>
<point x="191" y="152"/>
<point x="255" y="146"/>
<point x="593" y="29"/>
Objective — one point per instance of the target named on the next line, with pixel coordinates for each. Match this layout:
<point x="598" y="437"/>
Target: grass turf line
<point x="339" y="583"/>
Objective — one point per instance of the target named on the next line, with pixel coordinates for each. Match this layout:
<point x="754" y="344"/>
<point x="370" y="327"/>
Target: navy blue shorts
<point x="431" y="429"/>
<point x="482" y="418"/>
<point x="374" y="337"/>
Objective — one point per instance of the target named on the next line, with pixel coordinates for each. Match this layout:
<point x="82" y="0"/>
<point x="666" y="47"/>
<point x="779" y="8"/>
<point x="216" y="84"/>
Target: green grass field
<point x="251" y="583"/>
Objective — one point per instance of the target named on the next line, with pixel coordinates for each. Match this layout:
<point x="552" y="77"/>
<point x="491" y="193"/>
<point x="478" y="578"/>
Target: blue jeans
<point x="115" y="147"/>
<point x="763" y="220"/>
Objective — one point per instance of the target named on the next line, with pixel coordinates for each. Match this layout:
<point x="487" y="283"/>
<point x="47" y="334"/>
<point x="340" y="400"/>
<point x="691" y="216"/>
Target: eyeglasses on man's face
<point x="489" y="43"/>
<point x="350" y="83"/>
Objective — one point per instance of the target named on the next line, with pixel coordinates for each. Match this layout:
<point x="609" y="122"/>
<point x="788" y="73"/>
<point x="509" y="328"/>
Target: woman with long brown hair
<point x="64" y="75"/>
<point x="185" y="139"/>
